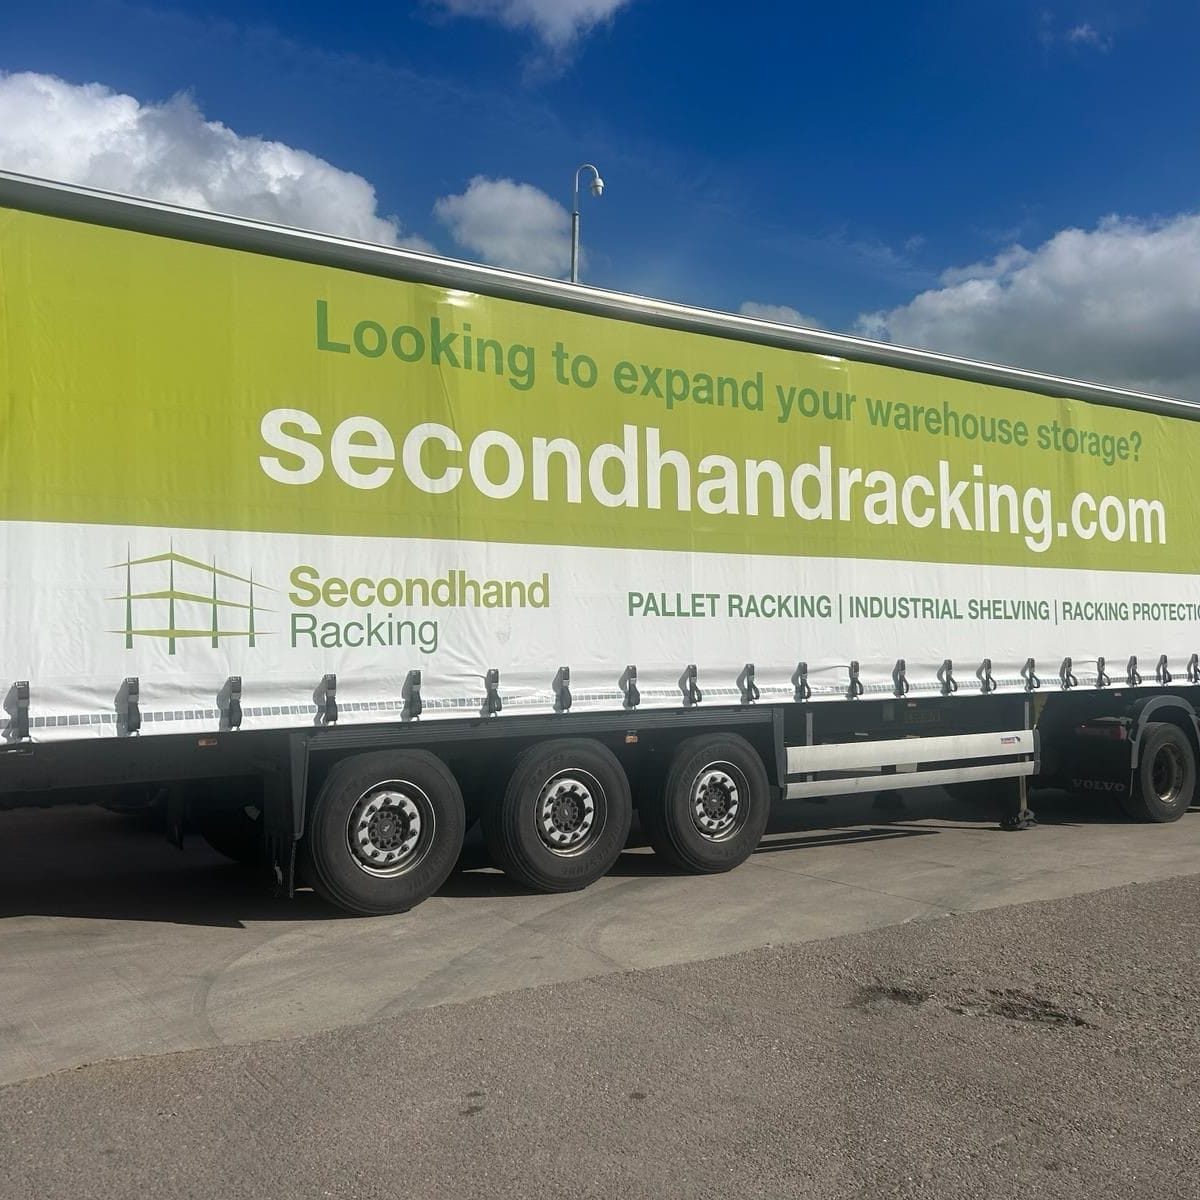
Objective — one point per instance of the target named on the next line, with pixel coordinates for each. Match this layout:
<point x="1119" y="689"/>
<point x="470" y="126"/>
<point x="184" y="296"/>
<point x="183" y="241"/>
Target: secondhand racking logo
<point x="183" y="599"/>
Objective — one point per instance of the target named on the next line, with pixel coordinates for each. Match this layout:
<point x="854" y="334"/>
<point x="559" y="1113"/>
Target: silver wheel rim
<point x="718" y="801"/>
<point x="1166" y="773"/>
<point x="390" y="828"/>
<point x="570" y="812"/>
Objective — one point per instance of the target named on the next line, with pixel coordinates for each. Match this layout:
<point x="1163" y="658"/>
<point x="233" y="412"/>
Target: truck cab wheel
<point x="563" y="818"/>
<point x="712" y="808"/>
<point x="384" y="831"/>
<point x="1164" y="783"/>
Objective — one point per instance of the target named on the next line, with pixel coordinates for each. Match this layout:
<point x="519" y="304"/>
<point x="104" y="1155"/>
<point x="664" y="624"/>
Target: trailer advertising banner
<point x="219" y="464"/>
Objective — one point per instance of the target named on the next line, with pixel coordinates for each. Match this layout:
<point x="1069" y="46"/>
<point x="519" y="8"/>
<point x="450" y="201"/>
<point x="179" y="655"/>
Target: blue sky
<point x="1010" y="180"/>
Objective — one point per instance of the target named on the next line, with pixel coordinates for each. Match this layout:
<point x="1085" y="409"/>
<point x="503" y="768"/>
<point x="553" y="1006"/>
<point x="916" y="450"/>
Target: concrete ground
<point x="114" y="945"/>
<point x="1048" y="1051"/>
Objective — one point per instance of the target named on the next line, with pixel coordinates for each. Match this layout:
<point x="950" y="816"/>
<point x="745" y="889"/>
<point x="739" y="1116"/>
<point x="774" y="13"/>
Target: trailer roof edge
<point x="75" y="202"/>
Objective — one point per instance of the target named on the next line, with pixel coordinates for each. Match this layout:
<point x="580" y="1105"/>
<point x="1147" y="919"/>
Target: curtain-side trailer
<point x="335" y="547"/>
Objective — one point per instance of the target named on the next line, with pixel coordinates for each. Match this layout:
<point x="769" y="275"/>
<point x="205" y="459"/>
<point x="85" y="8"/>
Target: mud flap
<point x="284" y="790"/>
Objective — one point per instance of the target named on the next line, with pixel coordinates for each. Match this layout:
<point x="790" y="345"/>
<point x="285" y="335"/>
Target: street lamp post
<point x="597" y="190"/>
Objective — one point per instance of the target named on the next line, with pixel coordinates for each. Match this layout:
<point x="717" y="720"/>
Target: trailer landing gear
<point x="1023" y="818"/>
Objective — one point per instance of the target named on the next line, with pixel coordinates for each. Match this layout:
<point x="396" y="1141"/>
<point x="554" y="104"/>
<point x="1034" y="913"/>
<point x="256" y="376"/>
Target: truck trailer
<point x="328" y="549"/>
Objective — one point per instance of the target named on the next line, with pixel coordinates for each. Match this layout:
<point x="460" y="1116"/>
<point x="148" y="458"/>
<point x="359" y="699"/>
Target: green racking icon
<point x="182" y="607"/>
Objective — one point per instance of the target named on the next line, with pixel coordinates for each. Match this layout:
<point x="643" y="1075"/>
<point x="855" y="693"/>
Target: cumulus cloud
<point x="509" y="224"/>
<point x="94" y="136"/>
<point x="783" y="313"/>
<point x="1117" y="304"/>
<point x="558" y="23"/>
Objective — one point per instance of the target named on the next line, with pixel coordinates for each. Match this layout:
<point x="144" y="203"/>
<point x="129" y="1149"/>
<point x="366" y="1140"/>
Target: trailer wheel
<point x="713" y="807"/>
<point x="1165" y="781"/>
<point x="564" y="816"/>
<point x="384" y="831"/>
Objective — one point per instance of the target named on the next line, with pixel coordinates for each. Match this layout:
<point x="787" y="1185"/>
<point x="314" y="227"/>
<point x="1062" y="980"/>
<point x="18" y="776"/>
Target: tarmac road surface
<point x="1048" y="1052"/>
<point x="114" y="945"/>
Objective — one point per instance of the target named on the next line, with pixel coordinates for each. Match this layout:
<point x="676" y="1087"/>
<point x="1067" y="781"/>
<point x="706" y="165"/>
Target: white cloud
<point x="1084" y="36"/>
<point x="783" y="313"/>
<point x="1005" y="263"/>
<point x="1088" y="35"/>
<point x="559" y="23"/>
<point x="94" y="136"/>
<point x="509" y="224"/>
<point x="1117" y="304"/>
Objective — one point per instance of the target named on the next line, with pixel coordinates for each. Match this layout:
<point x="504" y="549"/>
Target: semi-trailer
<point x="330" y="548"/>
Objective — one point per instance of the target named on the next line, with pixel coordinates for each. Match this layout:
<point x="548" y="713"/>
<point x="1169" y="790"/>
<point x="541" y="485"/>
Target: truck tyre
<point x="713" y="805"/>
<point x="1164" y="783"/>
<point x="237" y="833"/>
<point x="384" y="831"/>
<point x="563" y="818"/>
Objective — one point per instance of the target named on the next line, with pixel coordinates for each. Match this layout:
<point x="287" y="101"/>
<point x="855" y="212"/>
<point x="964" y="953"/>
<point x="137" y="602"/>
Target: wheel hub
<point x="1167" y="774"/>
<point x="566" y="812"/>
<point x="716" y="801"/>
<point x="390" y="828"/>
<point x="386" y="830"/>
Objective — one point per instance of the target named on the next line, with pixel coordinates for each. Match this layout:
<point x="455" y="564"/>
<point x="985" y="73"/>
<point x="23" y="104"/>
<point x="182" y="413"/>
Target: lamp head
<point x="597" y="186"/>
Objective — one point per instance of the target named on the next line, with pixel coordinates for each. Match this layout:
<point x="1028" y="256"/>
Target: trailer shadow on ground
<point x="797" y="825"/>
<point x="86" y="863"/>
<point x="90" y="863"/>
